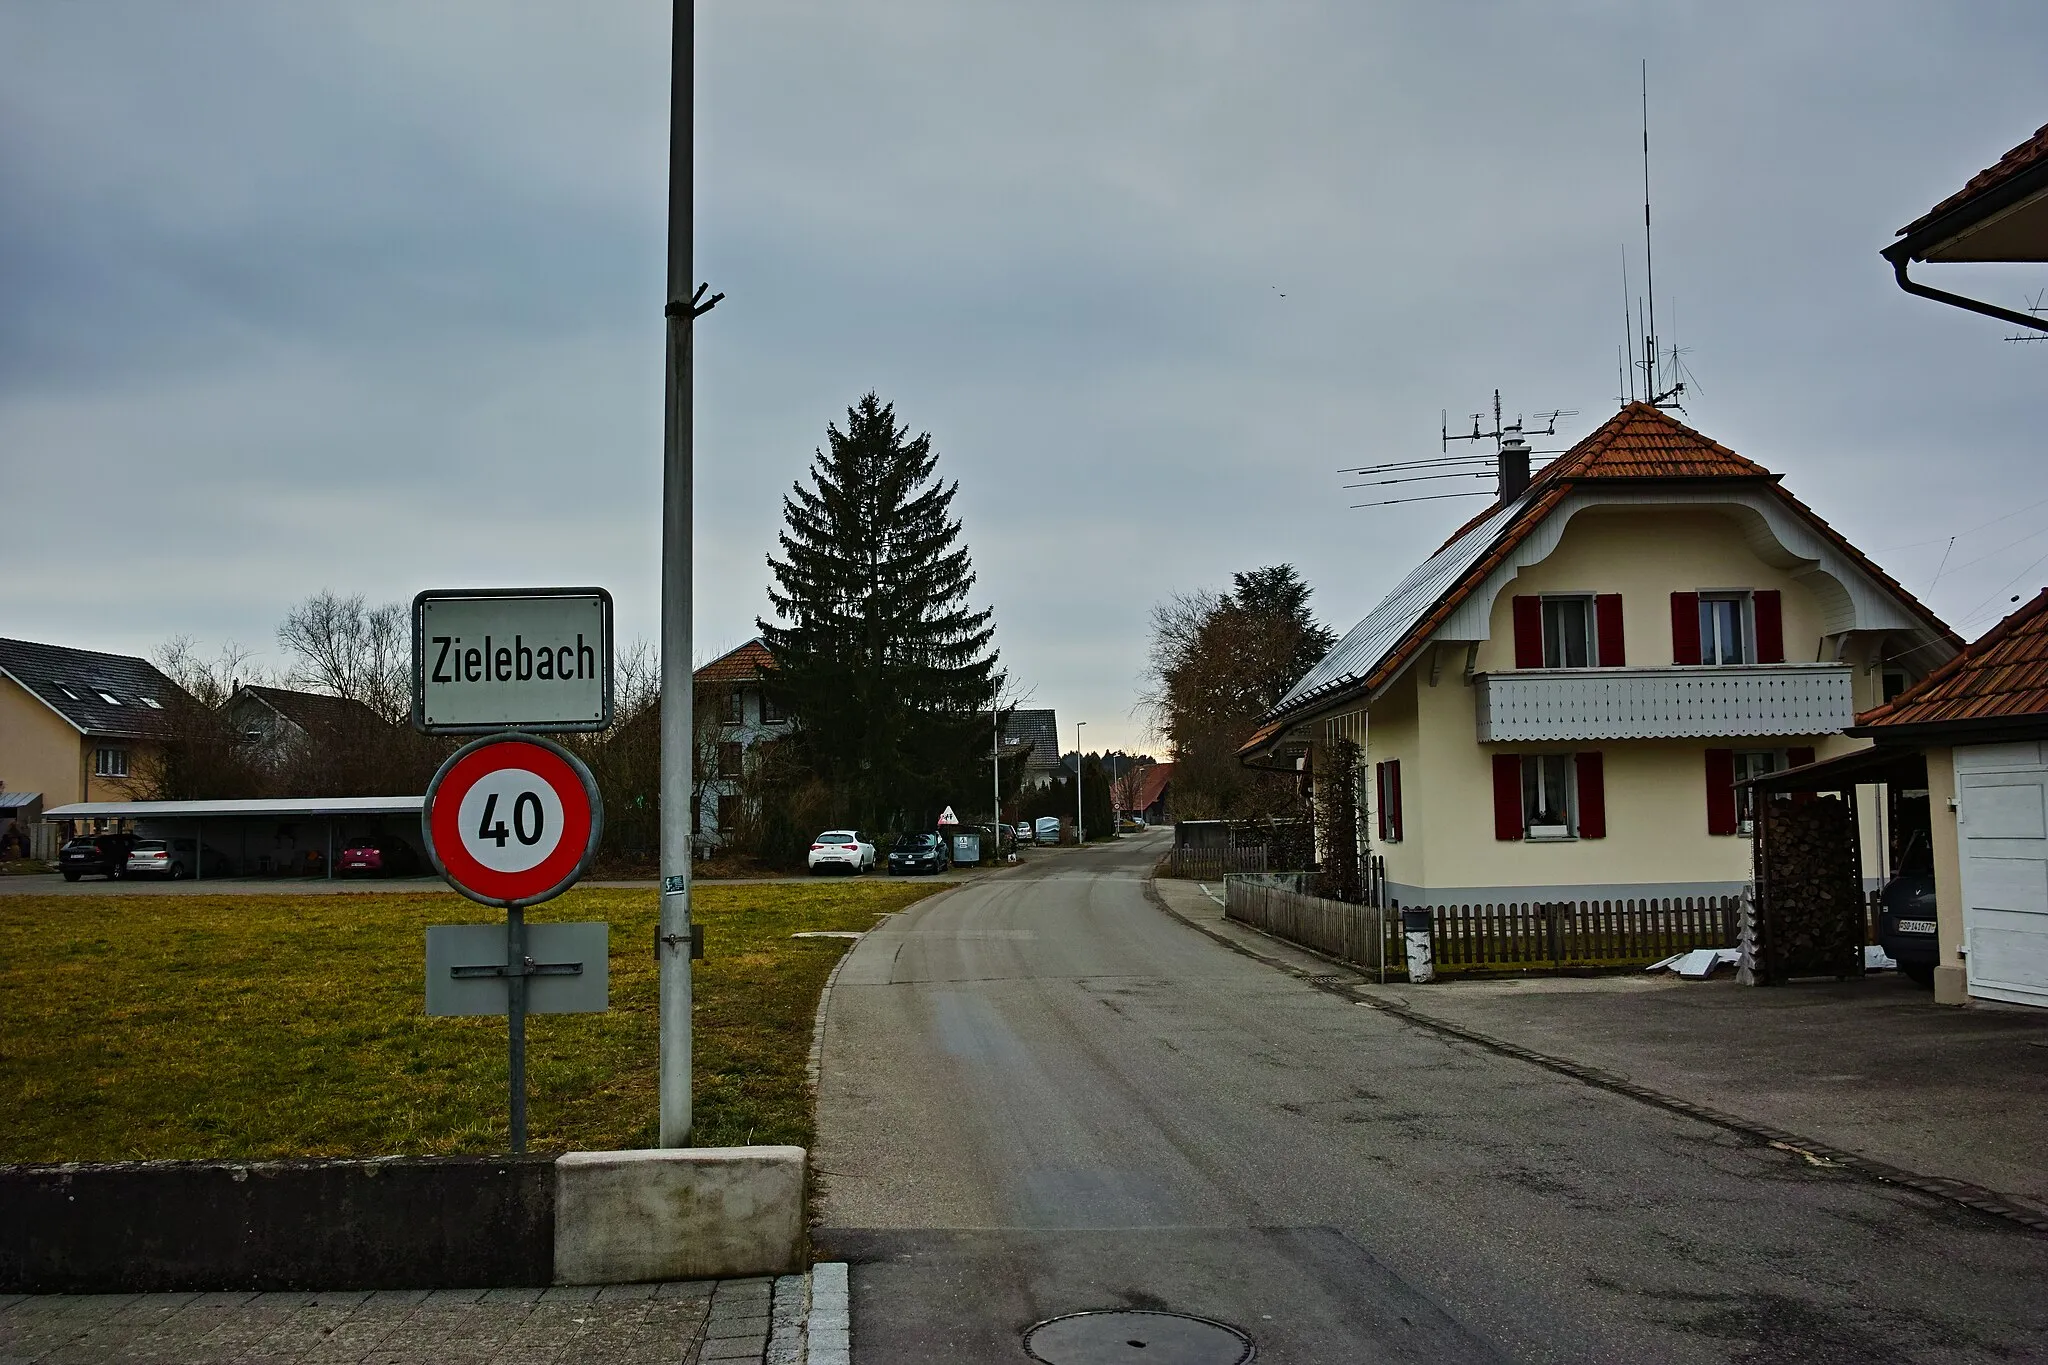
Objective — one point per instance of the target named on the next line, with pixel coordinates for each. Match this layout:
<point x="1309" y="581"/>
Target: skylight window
<point x="69" y="693"/>
<point x="110" y="699"/>
<point x="152" y="703"/>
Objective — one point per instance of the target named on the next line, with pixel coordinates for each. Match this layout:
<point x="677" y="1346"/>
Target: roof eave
<point x="1918" y="239"/>
<point x="1979" y="729"/>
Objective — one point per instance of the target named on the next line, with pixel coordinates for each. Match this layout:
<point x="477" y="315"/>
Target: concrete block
<point x="1951" y="986"/>
<point x="678" y="1214"/>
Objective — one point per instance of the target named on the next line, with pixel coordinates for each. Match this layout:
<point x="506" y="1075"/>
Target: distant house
<point x="736" y="710"/>
<point x="77" y="725"/>
<point x="1040" y="730"/>
<point x="1155" y="794"/>
<point x="277" y="726"/>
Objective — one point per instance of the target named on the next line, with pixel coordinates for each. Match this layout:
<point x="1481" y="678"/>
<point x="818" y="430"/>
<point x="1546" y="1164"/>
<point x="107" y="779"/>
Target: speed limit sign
<point x="512" y="819"/>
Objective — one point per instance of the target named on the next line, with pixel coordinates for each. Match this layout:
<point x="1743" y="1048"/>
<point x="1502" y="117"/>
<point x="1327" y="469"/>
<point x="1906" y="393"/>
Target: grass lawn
<point x="279" y="1025"/>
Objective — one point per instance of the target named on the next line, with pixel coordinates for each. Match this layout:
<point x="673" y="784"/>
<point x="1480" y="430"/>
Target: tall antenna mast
<point x="1628" y="334"/>
<point x="1649" y="264"/>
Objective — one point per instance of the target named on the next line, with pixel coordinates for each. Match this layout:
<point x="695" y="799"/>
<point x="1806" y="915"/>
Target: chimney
<point x="1514" y="465"/>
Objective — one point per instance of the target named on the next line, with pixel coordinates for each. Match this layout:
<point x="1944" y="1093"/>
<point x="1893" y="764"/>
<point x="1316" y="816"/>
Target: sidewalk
<point x="1871" y="1067"/>
<point x="707" y="1321"/>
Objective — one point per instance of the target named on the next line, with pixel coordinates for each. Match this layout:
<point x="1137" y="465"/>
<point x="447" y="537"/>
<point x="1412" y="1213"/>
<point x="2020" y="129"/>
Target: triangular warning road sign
<point x="946" y="817"/>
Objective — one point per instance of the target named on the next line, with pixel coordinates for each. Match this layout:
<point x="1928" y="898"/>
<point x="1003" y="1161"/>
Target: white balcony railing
<point x="1664" y="703"/>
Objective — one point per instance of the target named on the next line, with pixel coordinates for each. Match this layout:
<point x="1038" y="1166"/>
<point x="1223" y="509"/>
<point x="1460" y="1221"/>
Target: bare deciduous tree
<point x="347" y="648"/>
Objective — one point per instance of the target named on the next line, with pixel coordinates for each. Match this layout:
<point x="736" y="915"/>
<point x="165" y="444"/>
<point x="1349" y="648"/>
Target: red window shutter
<point x="1528" y="632"/>
<point x="1685" y="627"/>
<point x="1721" y="817"/>
<point x="1592" y="795"/>
<point x="1379" y="778"/>
<point x="1394" y="795"/>
<point x="1796" y="758"/>
<point x="1507" y="796"/>
<point x="1607" y="625"/>
<point x="1770" y="626"/>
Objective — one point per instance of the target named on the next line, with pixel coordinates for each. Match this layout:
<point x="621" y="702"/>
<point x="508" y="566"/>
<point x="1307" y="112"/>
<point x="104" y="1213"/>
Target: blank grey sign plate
<point x="477" y="945"/>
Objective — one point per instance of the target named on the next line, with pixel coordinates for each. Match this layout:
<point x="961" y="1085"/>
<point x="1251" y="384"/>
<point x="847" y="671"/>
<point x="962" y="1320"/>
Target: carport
<point x="266" y="837"/>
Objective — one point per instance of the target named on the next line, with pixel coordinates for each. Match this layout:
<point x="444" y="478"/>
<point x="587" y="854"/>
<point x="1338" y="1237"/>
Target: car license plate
<point x="1916" y="926"/>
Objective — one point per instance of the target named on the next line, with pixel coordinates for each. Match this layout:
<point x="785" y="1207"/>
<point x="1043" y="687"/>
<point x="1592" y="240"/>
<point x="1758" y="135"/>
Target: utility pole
<point x="1080" y="820"/>
<point x="681" y="309"/>
<point x="995" y="763"/>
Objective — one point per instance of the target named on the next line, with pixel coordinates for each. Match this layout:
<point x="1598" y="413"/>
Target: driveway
<point x="1042" y="1095"/>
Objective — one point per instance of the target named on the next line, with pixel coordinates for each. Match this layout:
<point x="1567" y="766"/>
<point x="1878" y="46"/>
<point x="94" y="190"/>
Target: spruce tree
<point x="880" y="660"/>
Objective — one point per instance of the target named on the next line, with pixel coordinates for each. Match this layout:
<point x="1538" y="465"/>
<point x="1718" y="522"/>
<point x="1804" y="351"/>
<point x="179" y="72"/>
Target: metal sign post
<point x="512" y="820"/>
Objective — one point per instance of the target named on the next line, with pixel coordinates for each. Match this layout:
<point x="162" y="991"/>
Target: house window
<point x="1547" y="796"/>
<point x="771" y="714"/>
<point x="110" y="763"/>
<point x="734" y="713"/>
<point x="1724" y="628"/>
<point x="729" y="755"/>
<point x="1751" y="764"/>
<point x="1894" y="683"/>
<point x="1567" y="632"/>
<point x="1388" y="777"/>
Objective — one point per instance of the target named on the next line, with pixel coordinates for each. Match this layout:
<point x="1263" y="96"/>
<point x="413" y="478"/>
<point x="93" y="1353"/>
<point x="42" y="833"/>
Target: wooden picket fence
<point x="1506" y="937"/>
<point x="1530" y="935"/>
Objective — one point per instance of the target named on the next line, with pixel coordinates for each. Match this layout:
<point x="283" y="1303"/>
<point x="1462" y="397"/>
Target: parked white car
<point x="1025" y="835"/>
<point x="844" y="850"/>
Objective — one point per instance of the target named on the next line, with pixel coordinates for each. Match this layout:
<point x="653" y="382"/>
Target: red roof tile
<point x="2000" y="677"/>
<point x="744" y="664"/>
<point x="2028" y="153"/>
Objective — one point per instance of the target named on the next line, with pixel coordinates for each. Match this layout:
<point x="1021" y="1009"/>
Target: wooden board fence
<point x="1358" y="934"/>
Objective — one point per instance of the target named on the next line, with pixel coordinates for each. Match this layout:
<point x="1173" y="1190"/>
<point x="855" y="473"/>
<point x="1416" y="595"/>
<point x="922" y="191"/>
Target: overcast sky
<point x="367" y="296"/>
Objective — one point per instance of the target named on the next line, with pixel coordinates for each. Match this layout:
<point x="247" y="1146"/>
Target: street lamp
<point x="1080" y="821"/>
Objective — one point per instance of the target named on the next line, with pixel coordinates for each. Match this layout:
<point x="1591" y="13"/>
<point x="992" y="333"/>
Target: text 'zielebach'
<point x="516" y="662"/>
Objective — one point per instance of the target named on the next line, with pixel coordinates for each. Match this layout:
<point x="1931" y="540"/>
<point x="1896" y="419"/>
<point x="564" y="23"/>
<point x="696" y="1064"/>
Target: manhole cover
<point x="1125" y="1338"/>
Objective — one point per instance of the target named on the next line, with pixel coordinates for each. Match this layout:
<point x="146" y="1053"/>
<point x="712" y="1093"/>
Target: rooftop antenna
<point x="2035" y="309"/>
<point x="1628" y="334"/>
<point x="1504" y="464"/>
<point x="1653" y="368"/>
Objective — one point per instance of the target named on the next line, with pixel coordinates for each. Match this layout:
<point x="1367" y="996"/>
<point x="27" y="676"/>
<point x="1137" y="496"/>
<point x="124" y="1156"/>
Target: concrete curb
<point x="1974" y="1197"/>
<point x="829" y="1328"/>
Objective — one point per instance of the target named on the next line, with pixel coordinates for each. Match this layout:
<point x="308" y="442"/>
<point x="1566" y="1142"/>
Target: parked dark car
<point x="177" y="859"/>
<point x="918" y="853"/>
<point x="94" y="855"/>
<point x="1905" y="916"/>
<point x="373" y="857"/>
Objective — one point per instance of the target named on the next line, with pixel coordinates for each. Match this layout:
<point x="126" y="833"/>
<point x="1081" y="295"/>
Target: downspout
<point x="1989" y="310"/>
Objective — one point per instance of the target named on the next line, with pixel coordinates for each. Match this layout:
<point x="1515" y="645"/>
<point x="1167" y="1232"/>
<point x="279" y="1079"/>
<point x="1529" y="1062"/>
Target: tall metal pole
<point x="515" y="1020"/>
<point x="995" y="764"/>
<point x="1080" y="820"/>
<point x="677" y="722"/>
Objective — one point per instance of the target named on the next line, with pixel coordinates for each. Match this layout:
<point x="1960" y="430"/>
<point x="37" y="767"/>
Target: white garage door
<point x="2003" y="826"/>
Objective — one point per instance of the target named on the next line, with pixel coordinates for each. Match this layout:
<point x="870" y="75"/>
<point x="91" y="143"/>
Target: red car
<point x="378" y="858"/>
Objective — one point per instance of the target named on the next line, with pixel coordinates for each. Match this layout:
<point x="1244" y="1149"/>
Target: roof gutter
<point x="1917" y="241"/>
<point x="1899" y="257"/>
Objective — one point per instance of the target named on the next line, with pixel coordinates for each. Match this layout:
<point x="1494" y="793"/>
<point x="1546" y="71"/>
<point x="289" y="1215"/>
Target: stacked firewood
<point x="1810" y="890"/>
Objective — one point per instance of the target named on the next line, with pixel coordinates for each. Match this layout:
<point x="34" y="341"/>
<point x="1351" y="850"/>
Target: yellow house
<point x="76" y="725"/>
<point x="1560" y="703"/>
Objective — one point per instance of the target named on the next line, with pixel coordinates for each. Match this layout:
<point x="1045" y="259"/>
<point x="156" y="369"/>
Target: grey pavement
<point x="1871" y="1067"/>
<point x="680" y="1323"/>
<point x="1044" y="1095"/>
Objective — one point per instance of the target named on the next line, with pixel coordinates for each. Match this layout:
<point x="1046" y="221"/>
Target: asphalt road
<point x="1041" y="1095"/>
